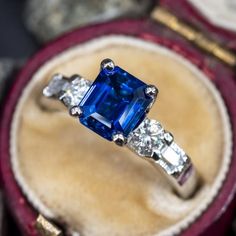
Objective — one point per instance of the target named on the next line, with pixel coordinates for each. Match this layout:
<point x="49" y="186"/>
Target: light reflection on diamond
<point x="74" y="91"/>
<point x="54" y="86"/>
<point x="146" y="138"/>
<point x="150" y="138"/>
<point x="69" y="92"/>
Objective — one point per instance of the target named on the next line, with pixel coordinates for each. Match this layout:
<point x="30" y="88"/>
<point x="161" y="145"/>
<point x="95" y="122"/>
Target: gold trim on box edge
<point x="168" y="19"/>
<point x="46" y="228"/>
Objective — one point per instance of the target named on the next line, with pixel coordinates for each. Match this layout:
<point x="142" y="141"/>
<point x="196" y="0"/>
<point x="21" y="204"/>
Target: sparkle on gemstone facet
<point x="115" y="103"/>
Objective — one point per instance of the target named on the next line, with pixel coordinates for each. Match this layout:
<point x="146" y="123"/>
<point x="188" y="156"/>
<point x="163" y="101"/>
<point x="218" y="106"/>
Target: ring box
<point x="58" y="176"/>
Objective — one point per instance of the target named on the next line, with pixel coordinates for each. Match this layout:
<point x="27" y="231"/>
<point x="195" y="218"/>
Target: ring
<point x="115" y="106"/>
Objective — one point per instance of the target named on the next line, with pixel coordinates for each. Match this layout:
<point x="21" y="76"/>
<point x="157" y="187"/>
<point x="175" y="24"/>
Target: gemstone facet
<point x="55" y="86"/>
<point x="115" y="103"/>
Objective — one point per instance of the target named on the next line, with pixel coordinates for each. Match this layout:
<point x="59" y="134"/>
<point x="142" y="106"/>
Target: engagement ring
<point x="115" y="106"/>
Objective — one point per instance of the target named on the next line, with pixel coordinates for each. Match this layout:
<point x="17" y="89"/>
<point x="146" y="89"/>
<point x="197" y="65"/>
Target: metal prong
<point x="119" y="139"/>
<point x="75" y="111"/>
<point x="107" y="64"/>
<point x="169" y="138"/>
<point x="152" y="91"/>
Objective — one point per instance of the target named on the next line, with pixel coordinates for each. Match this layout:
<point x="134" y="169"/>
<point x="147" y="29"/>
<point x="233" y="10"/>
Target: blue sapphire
<point x="115" y="103"/>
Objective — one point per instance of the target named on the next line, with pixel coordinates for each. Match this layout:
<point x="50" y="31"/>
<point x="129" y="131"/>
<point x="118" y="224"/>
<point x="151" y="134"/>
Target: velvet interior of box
<point x="93" y="187"/>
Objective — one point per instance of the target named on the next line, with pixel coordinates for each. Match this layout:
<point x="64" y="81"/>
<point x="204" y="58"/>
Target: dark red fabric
<point x="220" y="75"/>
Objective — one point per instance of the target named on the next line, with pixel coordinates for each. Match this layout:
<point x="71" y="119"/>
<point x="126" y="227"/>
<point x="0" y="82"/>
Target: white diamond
<point x="171" y="156"/>
<point x="74" y="91"/>
<point x="55" y="86"/>
<point x="146" y="138"/>
<point x="154" y="127"/>
<point x="174" y="156"/>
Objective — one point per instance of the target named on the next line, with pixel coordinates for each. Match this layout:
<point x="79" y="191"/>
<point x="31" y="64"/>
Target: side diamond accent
<point x="115" y="103"/>
<point x="149" y="136"/>
<point x="55" y="86"/>
<point x="69" y="91"/>
<point x="150" y="140"/>
<point x="73" y="92"/>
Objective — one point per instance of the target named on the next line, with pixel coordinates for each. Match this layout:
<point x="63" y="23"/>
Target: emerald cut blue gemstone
<point x="115" y="103"/>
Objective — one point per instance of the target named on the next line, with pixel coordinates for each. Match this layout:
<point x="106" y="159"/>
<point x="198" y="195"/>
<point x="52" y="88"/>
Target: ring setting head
<point x="116" y="102"/>
<point x="108" y="65"/>
<point x="119" y="139"/>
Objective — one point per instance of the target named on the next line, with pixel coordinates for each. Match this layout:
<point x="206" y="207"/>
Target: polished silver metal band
<point x="149" y="140"/>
